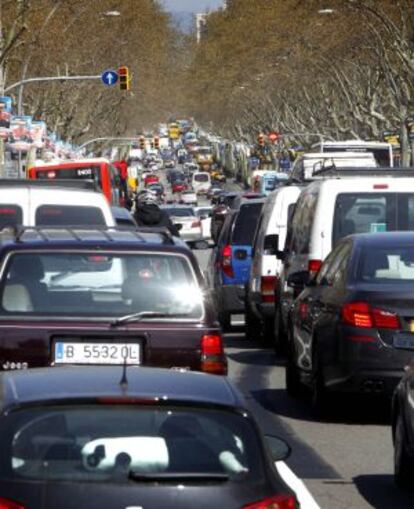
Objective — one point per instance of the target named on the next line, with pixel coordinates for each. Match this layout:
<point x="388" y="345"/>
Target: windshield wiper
<point x="178" y="476"/>
<point x="136" y="317"/>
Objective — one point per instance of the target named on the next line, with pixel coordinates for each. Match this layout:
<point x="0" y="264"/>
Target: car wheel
<point x="224" y="319"/>
<point x="267" y="331"/>
<point x="279" y="335"/>
<point x="252" y="326"/>
<point x="319" y="396"/>
<point x="403" y="463"/>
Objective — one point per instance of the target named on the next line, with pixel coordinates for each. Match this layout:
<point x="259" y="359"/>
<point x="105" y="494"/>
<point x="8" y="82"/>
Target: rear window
<point x="100" y="284"/>
<point x="387" y="264"/>
<point x="10" y="215"/>
<point x="100" y="443"/>
<point x="180" y="212"/>
<point x="245" y="224"/>
<point x="372" y="212"/>
<point x="201" y="177"/>
<point x="58" y="215"/>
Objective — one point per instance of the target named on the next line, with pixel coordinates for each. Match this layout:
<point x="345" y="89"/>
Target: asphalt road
<point x="346" y="460"/>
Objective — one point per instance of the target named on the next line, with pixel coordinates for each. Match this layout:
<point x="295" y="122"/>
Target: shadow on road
<point x="381" y="492"/>
<point x="345" y="410"/>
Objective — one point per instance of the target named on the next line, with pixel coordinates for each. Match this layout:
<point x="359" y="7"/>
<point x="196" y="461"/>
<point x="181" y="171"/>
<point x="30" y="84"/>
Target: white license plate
<point x="404" y="341"/>
<point x="97" y="353"/>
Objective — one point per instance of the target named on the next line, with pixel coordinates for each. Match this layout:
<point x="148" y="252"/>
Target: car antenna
<point x="124" y="380"/>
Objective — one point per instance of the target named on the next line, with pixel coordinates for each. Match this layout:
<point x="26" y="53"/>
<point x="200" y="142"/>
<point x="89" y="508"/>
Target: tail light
<point x="8" y="504"/>
<point x="314" y="266"/>
<point x="195" y="224"/>
<point x="226" y="262"/>
<point x="212" y="355"/>
<point x="361" y="314"/>
<point x="268" y="288"/>
<point x="277" y="502"/>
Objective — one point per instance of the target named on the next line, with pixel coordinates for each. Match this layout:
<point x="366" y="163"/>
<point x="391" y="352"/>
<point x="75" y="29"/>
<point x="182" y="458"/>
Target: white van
<point x="328" y="210"/>
<point x="305" y="165"/>
<point x="201" y="182"/>
<point x="266" y="268"/>
<point x="381" y="150"/>
<point x="39" y="203"/>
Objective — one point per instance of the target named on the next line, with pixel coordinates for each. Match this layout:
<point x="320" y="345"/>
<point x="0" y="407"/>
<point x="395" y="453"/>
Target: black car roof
<point x="65" y="384"/>
<point x="382" y="238"/>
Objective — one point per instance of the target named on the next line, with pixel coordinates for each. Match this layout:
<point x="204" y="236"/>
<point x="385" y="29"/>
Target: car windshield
<point x="180" y="212"/>
<point x="107" y="442"/>
<point x="393" y="264"/>
<point x="99" y="284"/>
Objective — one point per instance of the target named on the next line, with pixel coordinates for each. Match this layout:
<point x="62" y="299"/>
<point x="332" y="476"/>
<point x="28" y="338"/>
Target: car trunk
<point x="160" y="344"/>
<point x="132" y="495"/>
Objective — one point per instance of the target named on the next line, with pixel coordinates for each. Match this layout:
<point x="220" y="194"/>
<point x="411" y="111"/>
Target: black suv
<point x="99" y="297"/>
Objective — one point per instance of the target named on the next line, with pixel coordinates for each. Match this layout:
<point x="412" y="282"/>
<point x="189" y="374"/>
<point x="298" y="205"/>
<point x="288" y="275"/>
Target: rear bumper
<point x="363" y="366"/>
<point x="190" y="236"/>
<point x="232" y="299"/>
<point x="363" y="380"/>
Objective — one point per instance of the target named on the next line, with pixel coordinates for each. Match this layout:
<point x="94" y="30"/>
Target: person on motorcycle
<point x="148" y="213"/>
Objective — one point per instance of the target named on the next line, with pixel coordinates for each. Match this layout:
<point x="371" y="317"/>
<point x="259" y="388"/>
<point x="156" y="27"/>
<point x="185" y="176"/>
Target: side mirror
<point x="298" y="280"/>
<point x="179" y="226"/>
<point x="279" y="449"/>
<point x="271" y="243"/>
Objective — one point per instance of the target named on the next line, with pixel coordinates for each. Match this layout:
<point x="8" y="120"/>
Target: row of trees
<point x="343" y="68"/>
<point x="78" y="37"/>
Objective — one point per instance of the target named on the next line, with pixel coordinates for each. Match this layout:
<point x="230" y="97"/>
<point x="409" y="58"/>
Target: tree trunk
<point x="405" y="145"/>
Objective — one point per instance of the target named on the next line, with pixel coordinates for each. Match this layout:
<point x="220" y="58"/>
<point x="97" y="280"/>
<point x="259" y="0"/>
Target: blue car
<point x="230" y="261"/>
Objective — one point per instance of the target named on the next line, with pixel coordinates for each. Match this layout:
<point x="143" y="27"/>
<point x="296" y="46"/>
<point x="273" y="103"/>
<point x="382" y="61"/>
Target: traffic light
<point x="261" y="140"/>
<point x="124" y="78"/>
<point x="142" y="143"/>
<point x="156" y="142"/>
<point x="152" y="144"/>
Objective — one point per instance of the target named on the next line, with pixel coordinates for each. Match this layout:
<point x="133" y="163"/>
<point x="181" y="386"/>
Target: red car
<point x="151" y="179"/>
<point x="179" y="186"/>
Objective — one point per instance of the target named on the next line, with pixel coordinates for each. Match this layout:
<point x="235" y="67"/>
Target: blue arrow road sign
<point x="109" y="78"/>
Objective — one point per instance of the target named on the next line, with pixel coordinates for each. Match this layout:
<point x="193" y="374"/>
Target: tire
<point x="224" y="319"/>
<point x="267" y="331"/>
<point x="252" y="326"/>
<point x="319" y="395"/>
<point x="279" y="334"/>
<point x="403" y="464"/>
<point x="294" y="386"/>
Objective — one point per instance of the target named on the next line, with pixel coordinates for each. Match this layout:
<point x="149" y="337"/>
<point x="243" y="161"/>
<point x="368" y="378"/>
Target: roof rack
<point x="76" y="232"/>
<point x="87" y="184"/>
<point x="337" y="171"/>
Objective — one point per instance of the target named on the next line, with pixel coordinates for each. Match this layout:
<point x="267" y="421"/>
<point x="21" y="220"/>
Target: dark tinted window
<point x="246" y="223"/>
<point x="57" y="215"/>
<point x="180" y="212"/>
<point x="387" y="264"/>
<point x="10" y="215"/>
<point x="302" y="222"/>
<point x="201" y="177"/>
<point x="372" y="212"/>
<point x="85" y="443"/>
